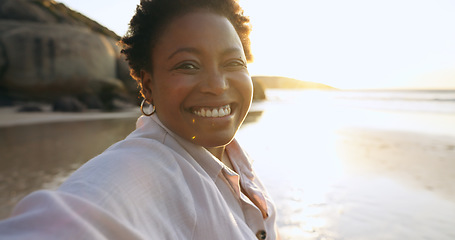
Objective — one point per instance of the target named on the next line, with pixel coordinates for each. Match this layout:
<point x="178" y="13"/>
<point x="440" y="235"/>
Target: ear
<point x="146" y="85"/>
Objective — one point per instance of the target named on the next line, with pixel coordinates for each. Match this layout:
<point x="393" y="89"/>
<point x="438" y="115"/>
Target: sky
<point x="348" y="44"/>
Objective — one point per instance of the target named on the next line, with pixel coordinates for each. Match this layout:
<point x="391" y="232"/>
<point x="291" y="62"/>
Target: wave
<point x="431" y="101"/>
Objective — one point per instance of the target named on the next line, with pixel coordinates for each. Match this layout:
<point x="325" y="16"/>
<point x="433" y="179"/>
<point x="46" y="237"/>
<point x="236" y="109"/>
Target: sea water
<point x="429" y="111"/>
<point x="296" y="146"/>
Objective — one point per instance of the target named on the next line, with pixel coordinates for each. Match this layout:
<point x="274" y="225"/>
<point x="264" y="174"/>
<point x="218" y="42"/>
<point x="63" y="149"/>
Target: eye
<point x="236" y="64"/>
<point x="187" y="66"/>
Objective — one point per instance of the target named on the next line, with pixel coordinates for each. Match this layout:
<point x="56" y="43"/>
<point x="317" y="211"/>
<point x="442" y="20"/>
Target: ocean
<point x="412" y="109"/>
<point x="357" y="164"/>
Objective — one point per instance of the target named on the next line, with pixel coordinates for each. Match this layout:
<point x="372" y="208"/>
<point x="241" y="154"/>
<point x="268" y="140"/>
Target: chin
<point x="218" y="142"/>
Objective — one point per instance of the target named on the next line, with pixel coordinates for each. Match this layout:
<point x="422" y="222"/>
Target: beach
<point x="335" y="170"/>
<point x="371" y="185"/>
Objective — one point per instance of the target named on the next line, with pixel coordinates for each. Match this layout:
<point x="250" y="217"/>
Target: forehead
<point x="198" y="29"/>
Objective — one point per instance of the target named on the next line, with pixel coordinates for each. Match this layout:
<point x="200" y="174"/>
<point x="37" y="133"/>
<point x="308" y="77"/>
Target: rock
<point x="25" y="11"/>
<point x="91" y="101"/>
<point x="30" y="107"/>
<point x="258" y="91"/>
<point x="270" y="82"/>
<point x="5" y="100"/>
<point x="48" y="51"/>
<point x="3" y="60"/>
<point x="68" y="104"/>
<point x="53" y="60"/>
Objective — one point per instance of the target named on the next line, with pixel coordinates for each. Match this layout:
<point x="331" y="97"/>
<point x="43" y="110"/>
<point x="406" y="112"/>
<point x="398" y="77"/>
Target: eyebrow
<point x="232" y="50"/>
<point x="196" y="51"/>
<point x="184" y="49"/>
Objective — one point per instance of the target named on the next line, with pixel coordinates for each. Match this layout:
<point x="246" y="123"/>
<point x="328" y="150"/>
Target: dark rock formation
<point x="30" y="107"/>
<point x="68" y="104"/>
<point x="48" y="51"/>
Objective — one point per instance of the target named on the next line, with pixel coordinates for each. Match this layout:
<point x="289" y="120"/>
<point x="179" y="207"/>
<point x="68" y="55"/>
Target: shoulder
<point x="132" y="169"/>
<point x="139" y="181"/>
<point x="131" y="163"/>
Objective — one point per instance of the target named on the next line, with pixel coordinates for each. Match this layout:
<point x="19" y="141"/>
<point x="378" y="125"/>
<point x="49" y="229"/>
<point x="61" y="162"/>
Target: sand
<point x="39" y="150"/>
<point x="422" y="160"/>
<point x="335" y="181"/>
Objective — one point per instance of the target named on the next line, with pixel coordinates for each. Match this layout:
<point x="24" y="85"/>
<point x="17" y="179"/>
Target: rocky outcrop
<point x="270" y="82"/>
<point x="48" y="51"/>
<point x="258" y="90"/>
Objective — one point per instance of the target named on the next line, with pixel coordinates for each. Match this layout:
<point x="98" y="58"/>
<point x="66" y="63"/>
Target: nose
<point x="215" y="83"/>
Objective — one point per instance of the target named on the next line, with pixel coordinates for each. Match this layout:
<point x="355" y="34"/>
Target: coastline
<point x="9" y="116"/>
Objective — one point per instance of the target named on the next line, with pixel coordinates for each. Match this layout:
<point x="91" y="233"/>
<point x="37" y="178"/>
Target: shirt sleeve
<point x="118" y="195"/>
<point x="57" y="215"/>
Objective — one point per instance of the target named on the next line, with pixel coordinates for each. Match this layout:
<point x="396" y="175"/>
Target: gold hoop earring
<point x="142" y="109"/>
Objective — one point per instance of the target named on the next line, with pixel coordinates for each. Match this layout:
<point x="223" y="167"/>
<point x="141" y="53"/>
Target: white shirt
<point x="152" y="185"/>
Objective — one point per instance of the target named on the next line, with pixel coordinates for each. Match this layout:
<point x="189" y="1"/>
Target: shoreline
<point x="10" y="117"/>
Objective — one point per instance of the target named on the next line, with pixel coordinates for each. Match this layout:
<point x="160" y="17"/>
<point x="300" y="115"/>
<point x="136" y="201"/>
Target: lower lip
<point x="214" y="118"/>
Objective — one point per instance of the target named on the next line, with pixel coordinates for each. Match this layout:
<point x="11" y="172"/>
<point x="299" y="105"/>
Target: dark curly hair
<point x="152" y="16"/>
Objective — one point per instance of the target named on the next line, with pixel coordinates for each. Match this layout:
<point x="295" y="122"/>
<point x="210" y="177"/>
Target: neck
<point x="218" y="152"/>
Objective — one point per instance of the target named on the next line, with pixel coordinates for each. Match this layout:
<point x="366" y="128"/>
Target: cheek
<point x="171" y="95"/>
<point x="245" y="88"/>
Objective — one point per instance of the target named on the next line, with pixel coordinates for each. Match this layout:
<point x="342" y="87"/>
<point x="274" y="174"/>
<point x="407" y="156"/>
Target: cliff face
<point x="48" y="51"/>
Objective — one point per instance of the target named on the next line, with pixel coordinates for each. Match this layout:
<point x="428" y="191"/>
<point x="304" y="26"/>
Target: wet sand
<point x="423" y="161"/>
<point x="39" y="150"/>
<point x="335" y="181"/>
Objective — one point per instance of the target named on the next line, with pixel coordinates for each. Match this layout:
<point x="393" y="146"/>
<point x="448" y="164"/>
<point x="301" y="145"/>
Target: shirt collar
<point x="209" y="163"/>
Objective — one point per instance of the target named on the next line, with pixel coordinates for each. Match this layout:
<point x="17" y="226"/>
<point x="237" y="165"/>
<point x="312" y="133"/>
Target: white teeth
<point x="213" y="112"/>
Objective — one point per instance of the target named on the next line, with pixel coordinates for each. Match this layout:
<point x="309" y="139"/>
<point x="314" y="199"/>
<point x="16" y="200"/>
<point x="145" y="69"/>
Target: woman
<point x="180" y="174"/>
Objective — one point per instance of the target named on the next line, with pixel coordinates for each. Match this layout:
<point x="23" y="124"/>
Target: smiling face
<point x="200" y="85"/>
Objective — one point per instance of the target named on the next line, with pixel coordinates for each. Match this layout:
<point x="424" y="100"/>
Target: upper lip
<point x="212" y="104"/>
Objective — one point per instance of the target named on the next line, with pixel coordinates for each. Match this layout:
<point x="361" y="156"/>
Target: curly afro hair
<point x="152" y="16"/>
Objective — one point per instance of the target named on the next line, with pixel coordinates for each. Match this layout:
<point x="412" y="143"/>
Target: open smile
<point x="212" y="112"/>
